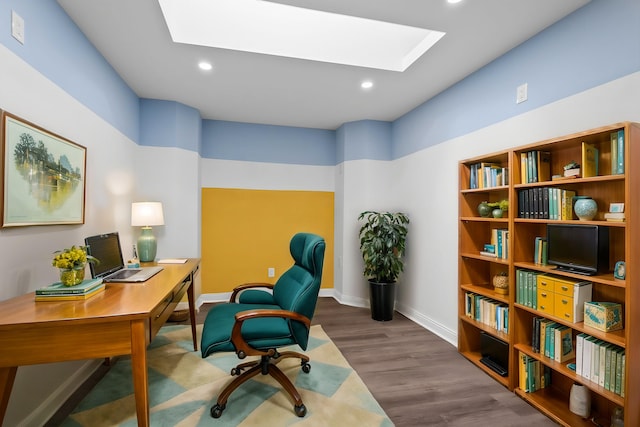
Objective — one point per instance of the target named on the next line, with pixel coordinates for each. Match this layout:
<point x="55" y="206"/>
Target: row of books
<point x="59" y="292"/>
<point x="532" y="374"/>
<point x="487" y="311"/>
<point x="540" y="251"/>
<point x="487" y="175"/>
<point x="527" y="288"/>
<point x="535" y="166"/>
<point x="546" y="203"/>
<point x="617" y="152"/>
<point x="552" y="340"/>
<point x="499" y="246"/>
<point x="601" y="362"/>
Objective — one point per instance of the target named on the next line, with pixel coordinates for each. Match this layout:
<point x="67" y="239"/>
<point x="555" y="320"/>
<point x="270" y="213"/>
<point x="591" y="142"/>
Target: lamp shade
<point x="146" y="214"/>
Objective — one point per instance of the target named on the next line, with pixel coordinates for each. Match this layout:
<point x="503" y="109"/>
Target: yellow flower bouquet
<point x="72" y="263"/>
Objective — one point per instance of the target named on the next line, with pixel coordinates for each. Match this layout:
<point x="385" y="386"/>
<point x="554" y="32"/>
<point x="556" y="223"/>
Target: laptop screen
<point x="105" y="247"/>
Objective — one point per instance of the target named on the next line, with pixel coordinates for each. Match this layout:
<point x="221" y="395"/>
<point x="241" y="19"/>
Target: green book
<point x="619" y="373"/>
<point x="58" y="288"/>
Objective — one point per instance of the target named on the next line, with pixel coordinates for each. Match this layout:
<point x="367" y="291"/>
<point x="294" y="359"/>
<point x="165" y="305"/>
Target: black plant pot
<point x="382" y="297"/>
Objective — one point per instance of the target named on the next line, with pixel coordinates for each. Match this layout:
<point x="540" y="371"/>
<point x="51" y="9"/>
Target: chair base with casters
<point x="265" y="366"/>
<point x="262" y="322"/>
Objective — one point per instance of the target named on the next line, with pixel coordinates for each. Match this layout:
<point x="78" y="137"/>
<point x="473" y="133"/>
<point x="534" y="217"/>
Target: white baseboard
<point x="431" y="325"/>
<point x="51" y="404"/>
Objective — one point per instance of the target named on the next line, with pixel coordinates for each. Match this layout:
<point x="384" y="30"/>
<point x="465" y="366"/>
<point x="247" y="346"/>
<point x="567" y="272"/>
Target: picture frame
<point x="43" y="175"/>
<point x="616" y="207"/>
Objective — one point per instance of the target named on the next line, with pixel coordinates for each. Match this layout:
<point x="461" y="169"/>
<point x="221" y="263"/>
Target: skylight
<point x="283" y="30"/>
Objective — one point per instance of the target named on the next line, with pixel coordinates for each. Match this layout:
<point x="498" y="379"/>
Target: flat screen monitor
<point x="582" y="249"/>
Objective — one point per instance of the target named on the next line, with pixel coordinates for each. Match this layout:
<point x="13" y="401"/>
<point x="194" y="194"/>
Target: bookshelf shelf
<point x="562" y="369"/>
<point x="487" y="291"/>
<point x="474" y="357"/>
<point x="529" y="173"/>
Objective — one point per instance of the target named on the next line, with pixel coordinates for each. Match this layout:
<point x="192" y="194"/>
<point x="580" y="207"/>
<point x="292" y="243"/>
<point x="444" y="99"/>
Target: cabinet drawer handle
<point x="567" y="315"/>
<point x="564" y="288"/>
<point x="542" y="307"/>
<point x="543" y="294"/>
<point x="564" y="301"/>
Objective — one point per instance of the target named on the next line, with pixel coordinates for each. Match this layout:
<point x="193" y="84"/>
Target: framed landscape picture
<point x="43" y="175"/>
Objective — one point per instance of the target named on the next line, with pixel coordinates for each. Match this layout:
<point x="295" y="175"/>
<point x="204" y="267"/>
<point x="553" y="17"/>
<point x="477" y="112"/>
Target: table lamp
<point x="146" y="215"/>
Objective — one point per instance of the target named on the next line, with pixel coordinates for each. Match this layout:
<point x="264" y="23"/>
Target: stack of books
<point x="617" y="152"/>
<point x="60" y="292"/>
<point x="601" y="362"/>
<point x="487" y="311"/>
<point x="616" y="212"/>
<point x="535" y="166"/>
<point x="487" y="175"/>
<point x="533" y="375"/>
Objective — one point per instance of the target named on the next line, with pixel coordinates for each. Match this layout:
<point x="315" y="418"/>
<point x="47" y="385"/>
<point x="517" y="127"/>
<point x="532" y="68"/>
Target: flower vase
<point x="72" y="276"/>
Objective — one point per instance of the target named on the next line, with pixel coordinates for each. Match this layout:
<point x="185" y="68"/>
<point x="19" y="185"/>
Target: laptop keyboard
<point x="123" y="274"/>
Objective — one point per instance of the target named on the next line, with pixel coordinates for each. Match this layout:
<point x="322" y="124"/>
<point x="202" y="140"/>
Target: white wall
<point x="426" y="187"/>
<point x="171" y="176"/>
<point x="27" y="251"/>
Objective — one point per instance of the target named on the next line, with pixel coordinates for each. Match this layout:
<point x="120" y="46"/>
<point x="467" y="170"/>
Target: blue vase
<point x="585" y="208"/>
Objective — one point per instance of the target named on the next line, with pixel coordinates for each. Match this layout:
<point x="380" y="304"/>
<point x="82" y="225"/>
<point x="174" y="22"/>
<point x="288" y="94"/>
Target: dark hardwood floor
<point x="418" y="378"/>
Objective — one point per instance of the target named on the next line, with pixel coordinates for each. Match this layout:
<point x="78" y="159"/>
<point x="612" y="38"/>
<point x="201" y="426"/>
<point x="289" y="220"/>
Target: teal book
<point x="620" y="152"/>
<point x="58" y="288"/>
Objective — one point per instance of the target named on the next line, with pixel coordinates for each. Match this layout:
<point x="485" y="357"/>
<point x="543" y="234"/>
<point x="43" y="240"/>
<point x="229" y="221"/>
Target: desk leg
<point x="7" y="376"/>
<point x="192" y="313"/>
<point x="139" y="371"/>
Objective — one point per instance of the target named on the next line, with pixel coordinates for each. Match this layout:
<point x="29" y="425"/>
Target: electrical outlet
<point x="17" y="27"/>
<point x="521" y="93"/>
<point x="271" y="272"/>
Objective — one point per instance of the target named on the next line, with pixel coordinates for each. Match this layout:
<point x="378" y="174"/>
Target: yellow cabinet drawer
<point x="546" y="283"/>
<point x="563" y="307"/>
<point x="546" y="301"/>
<point x="564" y="288"/>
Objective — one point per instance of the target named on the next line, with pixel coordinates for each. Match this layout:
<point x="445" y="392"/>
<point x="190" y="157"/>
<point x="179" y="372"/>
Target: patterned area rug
<point x="183" y="387"/>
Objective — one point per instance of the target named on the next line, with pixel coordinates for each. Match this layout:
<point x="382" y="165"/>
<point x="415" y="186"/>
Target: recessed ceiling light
<point x="272" y="28"/>
<point x="205" y="66"/>
<point x="453" y="1"/>
<point x="367" y="84"/>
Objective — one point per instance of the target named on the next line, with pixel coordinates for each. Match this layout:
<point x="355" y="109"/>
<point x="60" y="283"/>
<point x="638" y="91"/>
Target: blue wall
<point x="169" y="124"/>
<point x="57" y="48"/>
<point x="596" y="44"/>
<point x="270" y="144"/>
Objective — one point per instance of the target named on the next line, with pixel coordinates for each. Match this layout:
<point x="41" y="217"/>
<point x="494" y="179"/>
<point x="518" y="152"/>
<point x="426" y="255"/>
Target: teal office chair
<point x="263" y="321"/>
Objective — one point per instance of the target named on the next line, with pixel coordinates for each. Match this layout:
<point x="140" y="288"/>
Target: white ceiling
<point x="259" y="88"/>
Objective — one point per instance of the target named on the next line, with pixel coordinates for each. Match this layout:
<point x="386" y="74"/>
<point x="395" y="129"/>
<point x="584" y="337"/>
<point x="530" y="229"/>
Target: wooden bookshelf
<point x="475" y="271"/>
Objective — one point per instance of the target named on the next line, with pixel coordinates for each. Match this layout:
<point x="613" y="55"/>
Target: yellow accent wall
<point x="245" y="232"/>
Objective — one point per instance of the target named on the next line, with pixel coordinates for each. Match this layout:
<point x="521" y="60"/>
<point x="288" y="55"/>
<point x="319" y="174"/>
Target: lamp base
<point x="147" y="245"/>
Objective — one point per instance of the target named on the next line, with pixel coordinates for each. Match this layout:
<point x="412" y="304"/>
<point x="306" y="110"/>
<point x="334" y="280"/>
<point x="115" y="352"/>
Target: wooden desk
<point x="121" y="320"/>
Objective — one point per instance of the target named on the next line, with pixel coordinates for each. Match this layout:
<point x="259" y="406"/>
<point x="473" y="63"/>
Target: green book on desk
<point x="58" y="288"/>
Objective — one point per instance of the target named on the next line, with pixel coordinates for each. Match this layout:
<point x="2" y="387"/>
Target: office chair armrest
<point x="245" y="286"/>
<point x="242" y="347"/>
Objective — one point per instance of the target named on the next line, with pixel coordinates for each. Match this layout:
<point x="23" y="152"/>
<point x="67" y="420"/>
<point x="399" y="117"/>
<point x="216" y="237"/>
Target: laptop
<point x="106" y="248"/>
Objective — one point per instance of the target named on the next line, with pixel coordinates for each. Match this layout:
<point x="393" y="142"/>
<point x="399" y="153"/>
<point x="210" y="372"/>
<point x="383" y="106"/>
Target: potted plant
<point x="72" y="262"/>
<point x="382" y="244"/>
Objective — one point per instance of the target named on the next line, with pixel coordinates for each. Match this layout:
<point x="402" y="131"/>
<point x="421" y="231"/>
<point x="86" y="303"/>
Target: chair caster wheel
<point x="301" y="410"/>
<point x="306" y="367"/>
<point x="235" y="371"/>
<point x="216" y="410"/>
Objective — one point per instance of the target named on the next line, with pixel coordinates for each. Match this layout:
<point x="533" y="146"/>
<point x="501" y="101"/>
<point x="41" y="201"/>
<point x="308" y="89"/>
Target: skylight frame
<point x="284" y="30"/>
